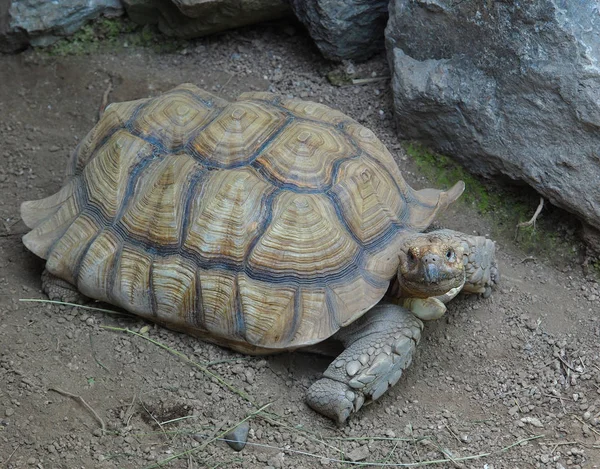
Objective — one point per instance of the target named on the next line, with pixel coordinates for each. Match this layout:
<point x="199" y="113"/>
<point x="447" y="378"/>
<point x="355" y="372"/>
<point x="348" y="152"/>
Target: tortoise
<point x="264" y="224"/>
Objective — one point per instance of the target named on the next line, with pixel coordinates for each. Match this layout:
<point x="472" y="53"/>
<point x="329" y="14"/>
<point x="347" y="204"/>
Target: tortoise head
<point x="431" y="264"/>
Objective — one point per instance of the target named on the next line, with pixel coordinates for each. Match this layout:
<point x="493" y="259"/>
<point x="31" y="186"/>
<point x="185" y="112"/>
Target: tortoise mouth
<point x="422" y="285"/>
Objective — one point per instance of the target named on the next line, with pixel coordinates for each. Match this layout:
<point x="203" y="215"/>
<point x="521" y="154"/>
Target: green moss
<point x="109" y="34"/>
<point x="82" y="42"/>
<point x="596" y="268"/>
<point x="504" y="208"/>
<point x="445" y="172"/>
<point x="339" y="78"/>
<point x="112" y="28"/>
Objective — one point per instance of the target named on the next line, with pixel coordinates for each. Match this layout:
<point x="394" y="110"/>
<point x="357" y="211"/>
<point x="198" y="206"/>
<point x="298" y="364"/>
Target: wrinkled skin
<point x="431" y="264"/>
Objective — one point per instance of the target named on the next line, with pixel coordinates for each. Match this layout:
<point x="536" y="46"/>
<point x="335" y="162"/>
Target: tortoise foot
<point x="380" y="347"/>
<point x="332" y="399"/>
<point x="58" y="289"/>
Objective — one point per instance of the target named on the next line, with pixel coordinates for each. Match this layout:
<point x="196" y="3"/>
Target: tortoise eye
<point x="450" y="254"/>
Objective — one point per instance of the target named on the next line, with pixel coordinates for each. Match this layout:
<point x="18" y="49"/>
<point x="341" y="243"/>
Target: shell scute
<point x="175" y="290"/>
<point x="155" y="212"/>
<point x="96" y="269"/>
<point x="369" y="200"/>
<point x="371" y="145"/>
<point x="168" y="120"/>
<point x="106" y="175"/>
<point x="319" y="316"/>
<point x="227" y="212"/>
<point x="354" y="296"/>
<point x="237" y="134"/>
<point x="304" y="240"/>
<point x="115" y="117"/>
<point x="319" y="113"/>
<point x="64" y="258"/>
<point x="304" y="155"/>
<point x="220" y="314"/>
<point x="45" y="234"/>
<point x="132" y="280"/>
<point x="270" y="315"/>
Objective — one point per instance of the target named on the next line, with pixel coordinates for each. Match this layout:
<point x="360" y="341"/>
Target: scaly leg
<point x="481" y="267"/>
<point x="58" y="289"/>
<point x="378" y="348"/>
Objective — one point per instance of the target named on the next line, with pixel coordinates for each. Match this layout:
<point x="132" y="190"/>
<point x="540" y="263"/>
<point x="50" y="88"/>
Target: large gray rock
<point x="194" y="18"/>
<point x="42" y="22"/>
<point x="344" y="29"/>
<point x="510" y="88"/>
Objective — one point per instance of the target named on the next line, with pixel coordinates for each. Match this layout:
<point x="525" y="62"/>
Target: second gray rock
<point x="195" y="18"/>
<point x="344" y="29"/>
<point x="507" y="88"/>
<point x="42" y="22"/>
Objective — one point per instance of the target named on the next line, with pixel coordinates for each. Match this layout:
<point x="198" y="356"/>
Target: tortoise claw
<point x="332" y="399"/>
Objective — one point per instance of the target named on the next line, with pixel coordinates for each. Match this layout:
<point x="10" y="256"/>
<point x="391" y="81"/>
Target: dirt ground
<point x="510" y="382"/>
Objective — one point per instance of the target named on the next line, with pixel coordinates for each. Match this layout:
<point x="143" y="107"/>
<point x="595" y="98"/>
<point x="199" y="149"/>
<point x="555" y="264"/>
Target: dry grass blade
<point x="272" y="419"/>
<point x="455" y="460"/>
<point x="104" y="101"/>
<point x="93" y="351"/>
<point x="154" y="418"/>
<point x="206" y="443"/>
<point x="233" y="427"/>
<point x="178" y="419"/>
<point x="589" y="426"/>
<point x="64" y="303"/>
<point x="373" y="438"/>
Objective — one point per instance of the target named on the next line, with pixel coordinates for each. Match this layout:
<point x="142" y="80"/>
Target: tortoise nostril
<point x="430" y="259"/>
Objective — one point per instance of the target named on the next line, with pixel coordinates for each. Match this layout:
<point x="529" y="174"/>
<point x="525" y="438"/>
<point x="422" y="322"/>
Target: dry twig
<point x="533" y="219"/>
<point x="528" y="259"/>
<point x="587" y="425"/>
<point x="366" y="81"/>
<point x="82" y="401"/>
<point x="104" y="101"/>
<point x="11" y="455"/>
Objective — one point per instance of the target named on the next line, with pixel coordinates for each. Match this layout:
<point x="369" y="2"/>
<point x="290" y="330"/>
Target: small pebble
<point x="359" y="454"/>
<point x="238" y="437"/>
<point x="277" y="461"/>
<point x="533" y="421"/>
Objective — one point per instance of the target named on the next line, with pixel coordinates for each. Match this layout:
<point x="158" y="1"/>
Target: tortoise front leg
<point x="434" y="307"/>
<point x="58" y="289"/>
<point x="379" y="347"/>
<point x="481" y="267"/>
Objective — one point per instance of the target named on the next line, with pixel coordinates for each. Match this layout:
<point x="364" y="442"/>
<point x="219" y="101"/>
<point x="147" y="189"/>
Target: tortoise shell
<point x="261" y="224"/>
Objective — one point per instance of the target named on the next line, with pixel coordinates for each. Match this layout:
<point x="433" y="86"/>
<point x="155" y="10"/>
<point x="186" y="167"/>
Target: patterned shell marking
<point x="264" y="223"/>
